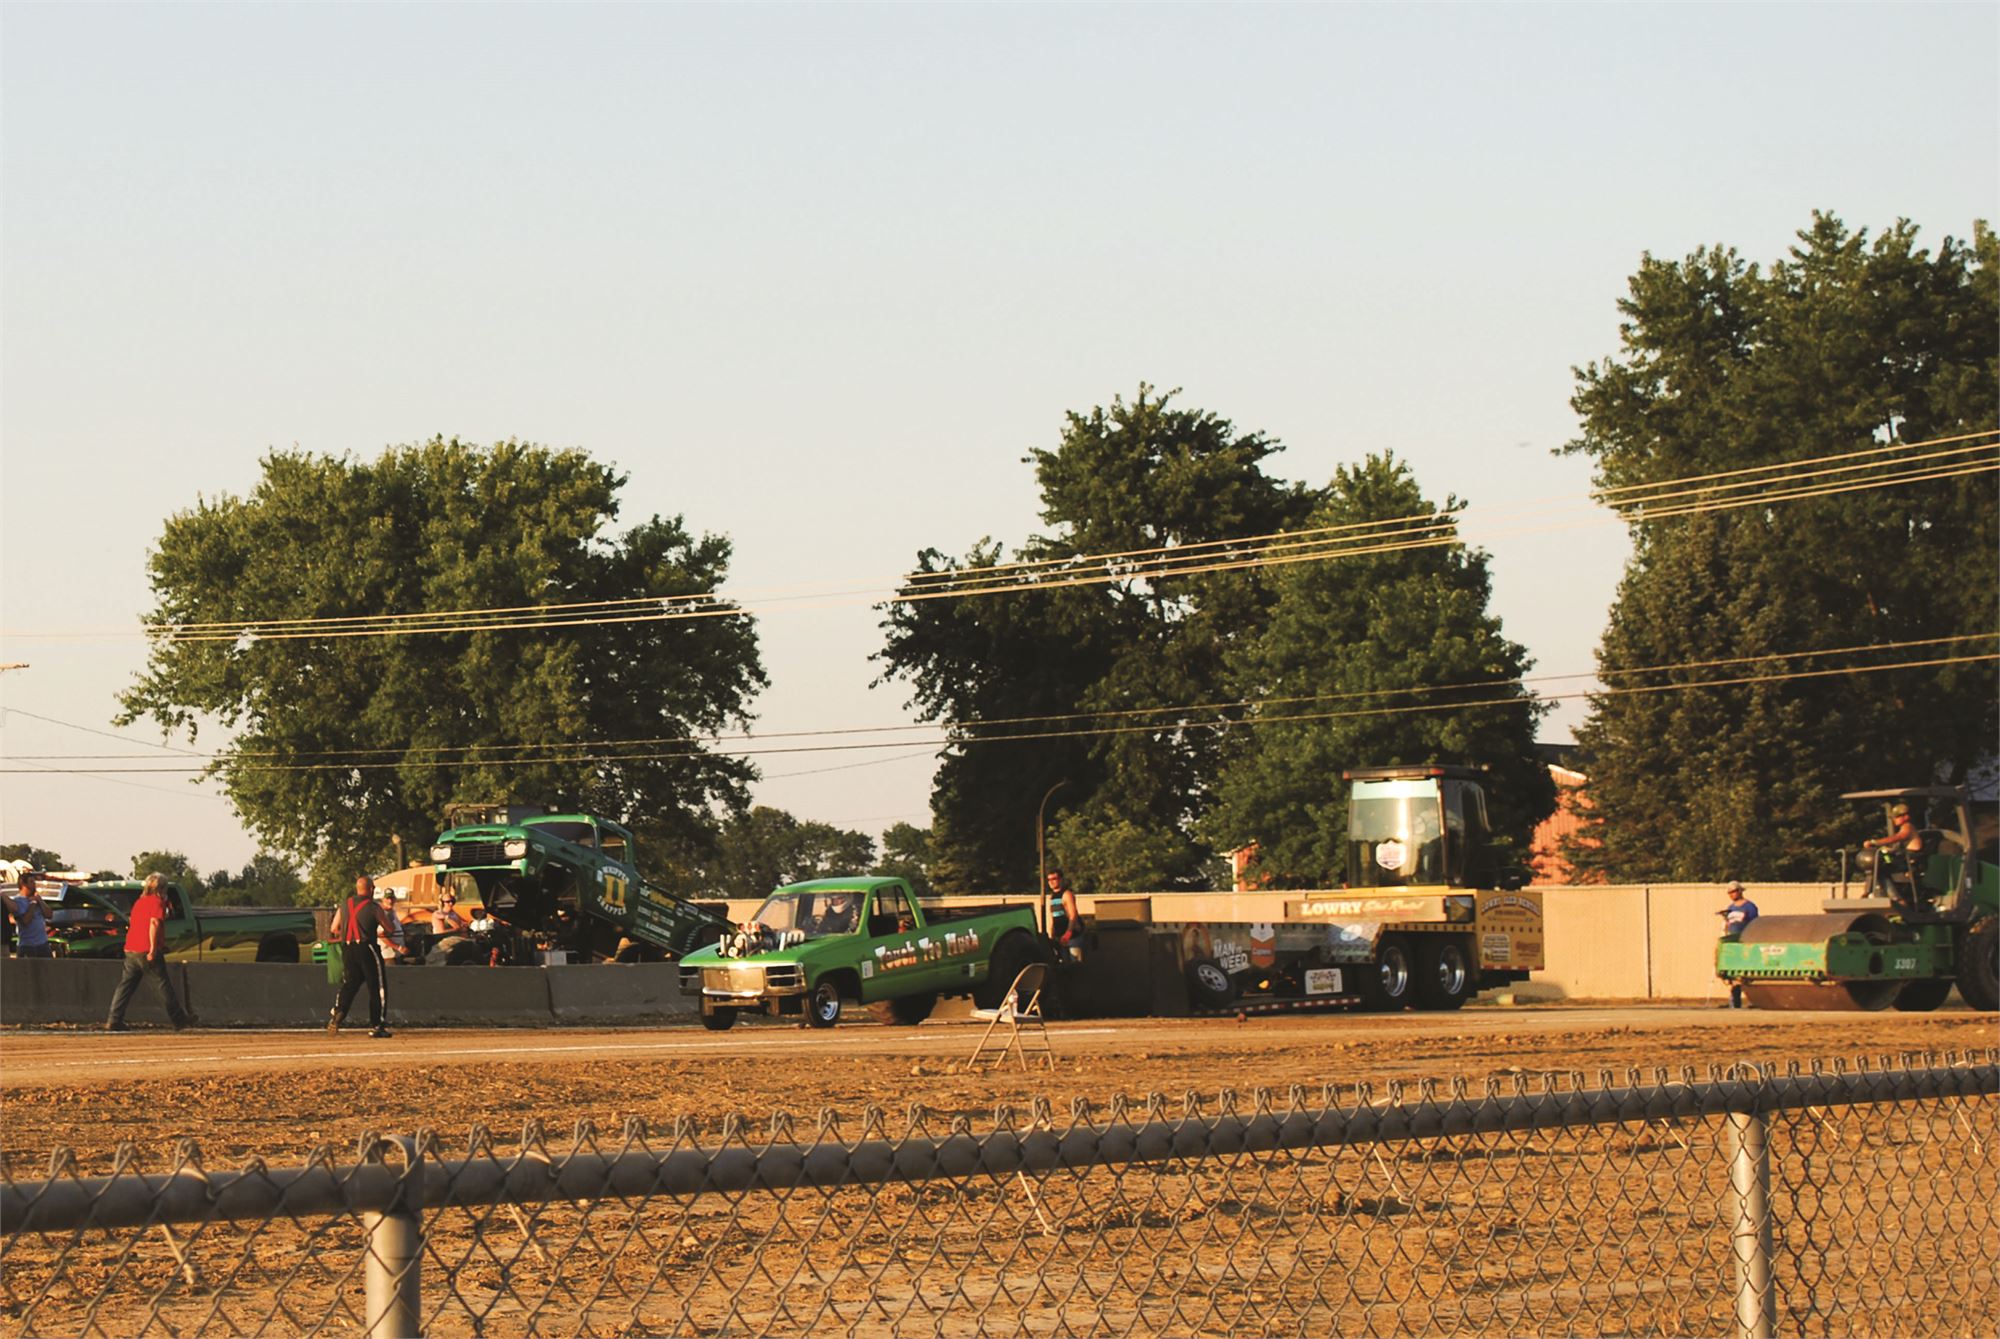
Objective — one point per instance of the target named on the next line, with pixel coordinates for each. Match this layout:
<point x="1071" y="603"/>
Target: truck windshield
<point x="580" y="833"/>
<point x="1395" y="835"/>
<point x="818" y="914"/>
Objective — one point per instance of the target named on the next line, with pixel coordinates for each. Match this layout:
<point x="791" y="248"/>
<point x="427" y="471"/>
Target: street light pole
<point x="1042" y="855"/>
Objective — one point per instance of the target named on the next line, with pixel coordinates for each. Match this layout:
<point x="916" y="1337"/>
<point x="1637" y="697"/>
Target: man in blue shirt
<point x="1737" y="914"/>
<point x="31" y="919"/>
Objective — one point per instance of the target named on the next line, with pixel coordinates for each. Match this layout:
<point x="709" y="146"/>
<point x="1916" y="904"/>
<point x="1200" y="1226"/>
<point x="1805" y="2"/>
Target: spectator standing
<point x="1736" y="915"/>
<point x="385" y="902"/>
<point x="30" y="918"/>
<point x="1064" y="918"/>
<point x="146" y="955"/>
<point x="358" y="926"/>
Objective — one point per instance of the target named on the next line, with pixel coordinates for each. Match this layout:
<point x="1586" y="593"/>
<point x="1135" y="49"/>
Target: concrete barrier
<point x="41" y="992"/>
<point x="465" y="996"/>
<point x="258" y="994"/>
<point x="77" y="991"/>
<point x="618" y="993"/>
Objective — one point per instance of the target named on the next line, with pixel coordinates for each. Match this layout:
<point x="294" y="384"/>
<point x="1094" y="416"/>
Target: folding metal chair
<point x="1020" y="1013"/>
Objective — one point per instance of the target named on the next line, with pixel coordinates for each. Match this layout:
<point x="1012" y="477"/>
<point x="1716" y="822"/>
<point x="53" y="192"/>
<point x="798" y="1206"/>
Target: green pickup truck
<point x="814" y="947"/>
<point x="569" y="882"/>
<point x="92" y="920"/>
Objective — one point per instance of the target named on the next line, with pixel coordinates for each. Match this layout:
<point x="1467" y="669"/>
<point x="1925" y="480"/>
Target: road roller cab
<point x="1922" y="919"/>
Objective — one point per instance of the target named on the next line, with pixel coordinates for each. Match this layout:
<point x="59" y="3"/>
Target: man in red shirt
<point x="358" y="925"/>
<point x="146" y="955"/>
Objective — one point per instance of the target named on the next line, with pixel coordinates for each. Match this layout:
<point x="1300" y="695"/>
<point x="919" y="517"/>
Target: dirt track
<point x="279" y="1094"/>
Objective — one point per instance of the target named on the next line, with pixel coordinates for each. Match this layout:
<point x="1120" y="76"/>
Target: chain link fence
<point x="1843" y="1198"/>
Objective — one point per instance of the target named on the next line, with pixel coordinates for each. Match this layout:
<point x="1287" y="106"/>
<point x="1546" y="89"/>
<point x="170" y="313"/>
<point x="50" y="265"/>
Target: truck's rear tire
<point x="1920" y="997"/>
<point x="1210" y="986"/>
<point x="907" y="1011"/>
<point x="1444" y="973"/>
<point x="1010" y="955"/>
<point x="278" y="948"/>
<point x="1979" y="966"/>
<point x="823" y="1005"/>
<point x="1389" y="982"/>
<point x="721" y="1020"/>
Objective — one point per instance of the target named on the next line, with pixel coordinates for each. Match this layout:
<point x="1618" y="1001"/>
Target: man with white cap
<point x="1737" y="914"/>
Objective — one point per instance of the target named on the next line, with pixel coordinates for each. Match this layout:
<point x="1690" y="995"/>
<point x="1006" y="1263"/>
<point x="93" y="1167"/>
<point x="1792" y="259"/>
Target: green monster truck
<point x="568" y="881"/>
<point x="814" y="948"/>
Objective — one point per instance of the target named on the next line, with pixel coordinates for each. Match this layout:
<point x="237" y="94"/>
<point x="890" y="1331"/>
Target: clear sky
<point x="817" y="278"/>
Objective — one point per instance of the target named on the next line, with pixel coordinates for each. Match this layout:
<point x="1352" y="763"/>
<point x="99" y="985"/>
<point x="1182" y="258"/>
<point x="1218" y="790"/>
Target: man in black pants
<point x="356" y="926"/>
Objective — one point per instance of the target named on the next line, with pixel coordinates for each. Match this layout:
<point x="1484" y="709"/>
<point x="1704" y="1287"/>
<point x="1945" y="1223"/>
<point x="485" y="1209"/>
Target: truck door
<point x="1468" y="840"/>
<point x="901" y="965"/>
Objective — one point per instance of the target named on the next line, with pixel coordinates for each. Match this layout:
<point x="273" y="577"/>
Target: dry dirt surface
<point x="1618" y="1228"/>
<point x="278" y="1095"/>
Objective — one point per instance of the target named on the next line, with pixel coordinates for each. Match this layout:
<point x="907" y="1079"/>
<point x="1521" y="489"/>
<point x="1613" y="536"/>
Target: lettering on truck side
<point x="1371" y="908"/>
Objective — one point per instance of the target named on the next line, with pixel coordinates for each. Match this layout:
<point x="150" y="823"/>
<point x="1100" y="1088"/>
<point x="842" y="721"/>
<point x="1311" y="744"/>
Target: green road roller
<point x="1926" y="917"/>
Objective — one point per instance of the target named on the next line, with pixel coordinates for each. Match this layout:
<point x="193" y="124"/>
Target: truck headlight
<point x="517" y="849"/>
<point x="440" y="855"/>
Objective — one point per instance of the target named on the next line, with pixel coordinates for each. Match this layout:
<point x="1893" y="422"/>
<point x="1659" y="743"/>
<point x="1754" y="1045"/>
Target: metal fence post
<point x="1750" y="1230"/>
<point x="394" y="1273"/>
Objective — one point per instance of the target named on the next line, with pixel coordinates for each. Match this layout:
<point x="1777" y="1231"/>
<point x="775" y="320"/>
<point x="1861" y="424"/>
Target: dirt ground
<point x="1613" y="1229"/>
<point x="279" y="1095"/>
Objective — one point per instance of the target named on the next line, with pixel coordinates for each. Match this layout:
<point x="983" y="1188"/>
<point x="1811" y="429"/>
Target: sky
<point x="817" y="278"/>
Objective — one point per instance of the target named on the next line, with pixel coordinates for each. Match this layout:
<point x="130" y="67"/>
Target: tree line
<point x="1159" y="714"/>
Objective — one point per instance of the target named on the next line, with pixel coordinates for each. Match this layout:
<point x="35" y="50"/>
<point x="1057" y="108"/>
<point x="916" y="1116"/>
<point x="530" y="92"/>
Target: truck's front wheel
<point x="718" y="1020"/>
<point x="823" y="1008"/>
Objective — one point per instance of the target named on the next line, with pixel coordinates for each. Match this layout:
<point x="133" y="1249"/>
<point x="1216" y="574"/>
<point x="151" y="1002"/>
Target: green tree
<point x="1333" y="668"/>
<point x="766" y="848"/>
<point x="1131" y="479"/>
<point x="41" y="858"/>
<point x="989" y="658"/>
<point x="177" y="868"/>
<point x="1845" y="344"/>
<point x="906" y="855"/>
<point x="343" y="742"/>
<point x="265" y="880"/>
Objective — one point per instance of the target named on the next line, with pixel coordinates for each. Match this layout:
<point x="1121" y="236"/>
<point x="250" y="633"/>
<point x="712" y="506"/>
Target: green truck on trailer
<point x="568" y="882"/>
<point x="813" y="948"/>
<point x="1924" y="920"/>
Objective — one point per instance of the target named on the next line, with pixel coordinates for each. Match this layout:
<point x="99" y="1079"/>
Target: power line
<point x="950" y="740"/>
<point x="1413" y="690"/>
<point x="1794" y="464"/>
<point x="123" y="739"/>
<point x="1421" y="531"/>
<point x="1192" y="550"/>
<point x="405" y="752"/>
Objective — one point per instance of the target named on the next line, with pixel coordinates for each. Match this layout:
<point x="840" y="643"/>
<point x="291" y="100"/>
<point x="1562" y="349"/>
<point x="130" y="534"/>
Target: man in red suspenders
<point x="356" y="926"/>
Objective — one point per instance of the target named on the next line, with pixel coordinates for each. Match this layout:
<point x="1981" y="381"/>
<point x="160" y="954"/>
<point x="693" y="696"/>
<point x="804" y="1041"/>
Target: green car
<point x="814" y="947"/>
<point x="92" y="921"/>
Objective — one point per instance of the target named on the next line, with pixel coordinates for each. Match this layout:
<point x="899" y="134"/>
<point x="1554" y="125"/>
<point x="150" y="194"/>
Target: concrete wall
<point x="38" y="991"/>
<point x="1646" y="941"/>
<point x="1609" y="942"/>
